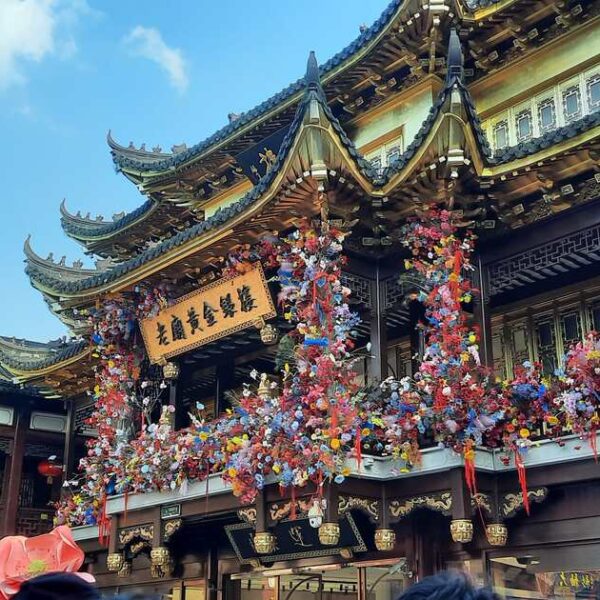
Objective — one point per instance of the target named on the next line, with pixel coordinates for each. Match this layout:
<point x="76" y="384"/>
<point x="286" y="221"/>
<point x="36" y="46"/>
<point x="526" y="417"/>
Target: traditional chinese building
<point x="491" y="109"/>
<point x="35" y="424"/>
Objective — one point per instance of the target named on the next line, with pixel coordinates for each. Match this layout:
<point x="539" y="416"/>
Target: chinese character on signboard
<point x="220" y="308"/>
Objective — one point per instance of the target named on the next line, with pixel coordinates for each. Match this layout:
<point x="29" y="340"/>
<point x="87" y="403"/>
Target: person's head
<point x="447" y="586"/>
<point x="138" y="595"/>
<point x="55" y="586"/>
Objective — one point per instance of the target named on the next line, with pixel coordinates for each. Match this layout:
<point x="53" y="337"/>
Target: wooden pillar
<point x="225" y="376"/>
<point x="378" y="366"/>
<point x="69" y="450"/>
<point x="481" y="305"/>
<point x="461" y="498"/>
<point x="331" y="495"/>
<point x="16" y="470"/>
<point x="417" y="340"/>
<point x="212" y="573"/>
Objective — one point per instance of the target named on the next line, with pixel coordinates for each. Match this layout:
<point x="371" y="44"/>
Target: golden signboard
<point x="203" y="316"/>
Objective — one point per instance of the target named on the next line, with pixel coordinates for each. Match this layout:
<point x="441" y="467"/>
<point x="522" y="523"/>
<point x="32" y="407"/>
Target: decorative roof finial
<point x="455" y="58"/>
<point x="312" y="79"/>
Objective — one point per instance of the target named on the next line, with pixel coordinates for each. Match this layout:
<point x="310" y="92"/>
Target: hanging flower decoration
<point x="303" y="423"/>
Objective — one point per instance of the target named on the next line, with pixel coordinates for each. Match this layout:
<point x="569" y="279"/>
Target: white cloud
<point x="27" y="30"/>
<point x="147" y="42"/>
<point x="31" y="30"/>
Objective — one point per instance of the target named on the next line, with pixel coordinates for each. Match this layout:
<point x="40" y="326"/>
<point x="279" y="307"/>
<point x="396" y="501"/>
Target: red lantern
<point x="50" y="469"/>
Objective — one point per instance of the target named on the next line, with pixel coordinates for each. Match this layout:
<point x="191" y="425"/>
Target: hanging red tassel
<point x="594" y="443"/>
<point x="293" y="506"/>
<point x="470" y="476"/>
<point x="103" y="523"/>
<point x="206" y="494"/>
<point x="522" y="481"/>
<point x="358" y="448"/>
<point x="126" y="504"/>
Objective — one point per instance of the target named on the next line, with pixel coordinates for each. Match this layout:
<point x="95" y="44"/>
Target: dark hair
<point x="137" y="595"/>
<point x="57" y="585"/>
<point x="447" y="586"/>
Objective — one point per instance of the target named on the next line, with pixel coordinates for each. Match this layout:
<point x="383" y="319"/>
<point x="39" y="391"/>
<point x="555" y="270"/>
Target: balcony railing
<point x="32" y="521"/>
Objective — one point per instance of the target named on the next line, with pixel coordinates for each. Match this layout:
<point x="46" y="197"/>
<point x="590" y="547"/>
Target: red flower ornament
<point x="23" y="558"/>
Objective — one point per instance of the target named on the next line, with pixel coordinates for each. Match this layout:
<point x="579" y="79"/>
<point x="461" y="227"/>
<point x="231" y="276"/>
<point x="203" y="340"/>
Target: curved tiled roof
<point x="76" y="229"/>
<point x="69" y="350"/>
<point x="219" y="218"/>
<point x="225" y="214"/>
<point x="177" y="159"/>
<point x="8" y="387"/>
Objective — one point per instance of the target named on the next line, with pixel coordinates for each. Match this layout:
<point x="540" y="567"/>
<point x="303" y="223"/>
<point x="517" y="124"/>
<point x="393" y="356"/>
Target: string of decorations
<point x="304" y="423"/>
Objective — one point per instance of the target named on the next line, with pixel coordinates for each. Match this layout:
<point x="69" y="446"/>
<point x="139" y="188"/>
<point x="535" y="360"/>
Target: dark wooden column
<point x="461" y="498"/>
<point x="378" y="365"/>
<point x="417" y="340"/>
<point x="16" y="470"/>
<point x="481" y="306"/>
<point x="212" y="573"/>
<point x="225" y="378"/>
<point x="69" y="450"/>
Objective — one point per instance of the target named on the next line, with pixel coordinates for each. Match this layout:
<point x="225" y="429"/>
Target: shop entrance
<point x="355" y="581"/>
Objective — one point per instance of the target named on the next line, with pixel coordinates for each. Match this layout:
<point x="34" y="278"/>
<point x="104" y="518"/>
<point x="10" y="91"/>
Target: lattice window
<point x="593" y="92"/>
<point x="546" y="111"/>
<point x="514" y="272"/>
<point x="548" y="336"/>
<point x="499" y="352"/>
<point x="520" y="343"/>
<point x="501" y="138"/>
<point x="570" y="327"/>
<point x="546" y="344"/>
<point x="394" y="292"/>
<point x="572" y="103"/>
<point x="360" y="287"/>
<point x="524" y="125"/>
<point x="400" y="360"/>
<point x="553" y="107"/>
<point x="386" y="154"/>
<point x="377" y="163"/>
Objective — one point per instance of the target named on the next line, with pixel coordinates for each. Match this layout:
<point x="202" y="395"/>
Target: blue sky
<point x="151" y="71"/>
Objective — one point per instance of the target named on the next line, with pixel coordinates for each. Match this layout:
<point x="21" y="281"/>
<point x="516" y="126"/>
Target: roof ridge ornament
<point x="312" y="79"/>
<point x="455" y="59"/>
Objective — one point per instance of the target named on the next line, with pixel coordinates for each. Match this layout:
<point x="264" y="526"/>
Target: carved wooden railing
<point x="34" y="521"/>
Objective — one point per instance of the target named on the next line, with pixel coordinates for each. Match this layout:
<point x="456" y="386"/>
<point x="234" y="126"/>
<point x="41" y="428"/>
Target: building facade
<point x="488" y="109"/>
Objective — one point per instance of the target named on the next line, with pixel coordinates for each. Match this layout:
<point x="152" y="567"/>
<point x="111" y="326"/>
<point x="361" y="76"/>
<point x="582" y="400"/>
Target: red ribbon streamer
<point x="103" y="523"/>
<point x="594" y="443"/>
<point x="293" y="507"/>
<point x="522" y="481"/>
<point x="470" y="477"/>
<point x="358" y="448"/>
